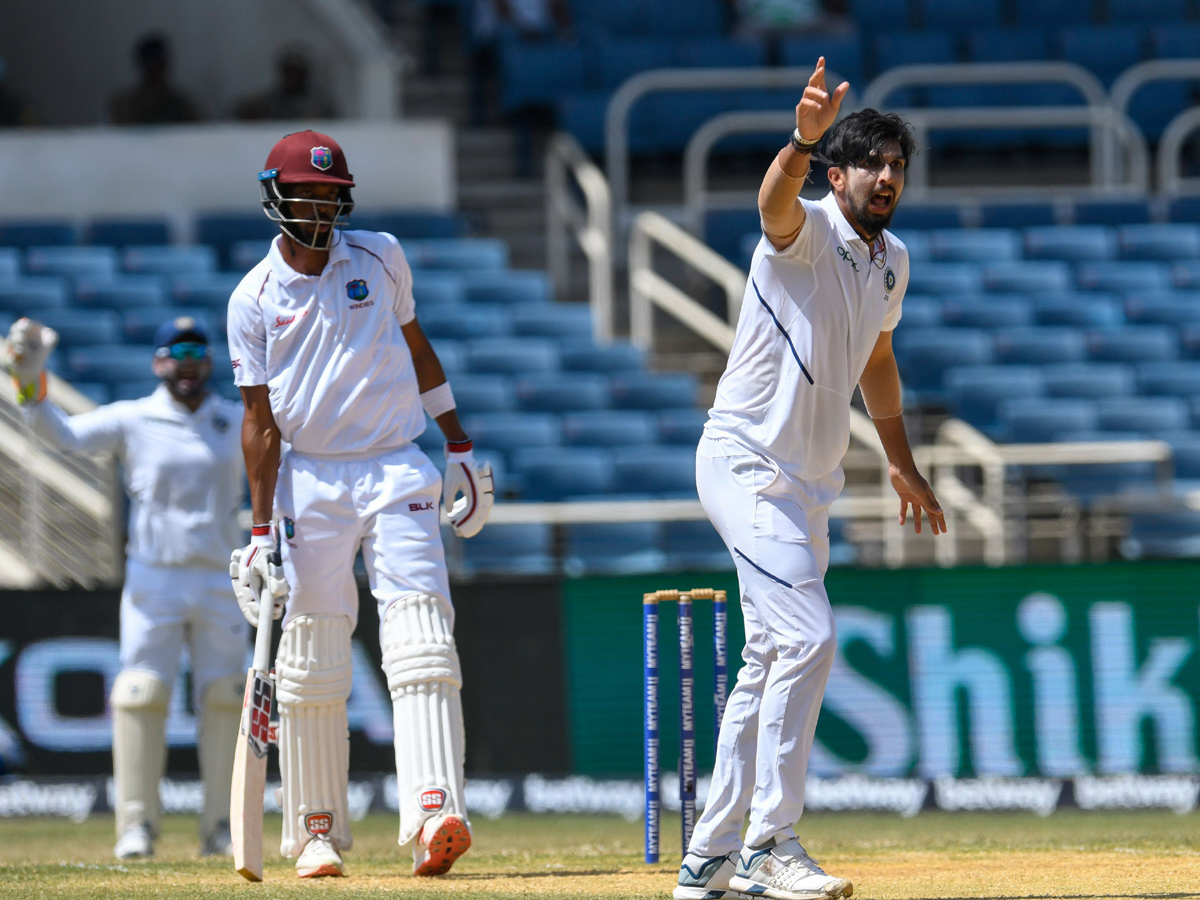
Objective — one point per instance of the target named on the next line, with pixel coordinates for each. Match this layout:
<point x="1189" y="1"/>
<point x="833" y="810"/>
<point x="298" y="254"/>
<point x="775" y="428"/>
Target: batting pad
<point x="424" y="678"/>
<point x="139" y="705"/>
<point x="313" y="675"/>
<point x="216" y="739"/>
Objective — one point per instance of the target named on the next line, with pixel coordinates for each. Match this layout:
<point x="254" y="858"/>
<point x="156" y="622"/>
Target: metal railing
<point x="1171" y="180"/>
<point x="589" y="223"/>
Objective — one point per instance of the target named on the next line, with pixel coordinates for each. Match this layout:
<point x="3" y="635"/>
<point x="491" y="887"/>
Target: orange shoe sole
<point x="448" y="843"/>
<point x="322" y="871"/>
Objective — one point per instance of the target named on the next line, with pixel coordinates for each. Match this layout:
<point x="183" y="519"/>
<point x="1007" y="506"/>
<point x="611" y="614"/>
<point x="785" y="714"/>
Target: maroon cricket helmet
<point x="307" y="157"/>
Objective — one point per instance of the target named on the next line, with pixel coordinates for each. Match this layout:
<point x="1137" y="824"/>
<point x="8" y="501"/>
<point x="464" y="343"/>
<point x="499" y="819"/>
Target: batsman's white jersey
<point x="767" y="470"/>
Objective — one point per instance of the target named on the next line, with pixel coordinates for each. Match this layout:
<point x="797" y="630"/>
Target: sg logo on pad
<point x="433" y="800"/>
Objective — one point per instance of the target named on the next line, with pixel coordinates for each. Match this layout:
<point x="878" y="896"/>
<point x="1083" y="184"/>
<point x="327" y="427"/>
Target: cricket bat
<point x="250" y="757"/>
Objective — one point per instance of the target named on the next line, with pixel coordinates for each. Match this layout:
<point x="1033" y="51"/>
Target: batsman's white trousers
<point x="777" y="530"/>
<point x="163" y="606"/>
<point x="388" y="504"/>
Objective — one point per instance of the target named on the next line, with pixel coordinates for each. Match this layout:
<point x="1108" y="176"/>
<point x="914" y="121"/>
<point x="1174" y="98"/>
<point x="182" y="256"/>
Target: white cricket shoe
<point x="135" y="842"/>
<point x="442" y="840"/>
<point x="219" y="843"/>
<point x="703" y="878"/>
<point x="784" y="871"/>
<point x="319" y="858"/>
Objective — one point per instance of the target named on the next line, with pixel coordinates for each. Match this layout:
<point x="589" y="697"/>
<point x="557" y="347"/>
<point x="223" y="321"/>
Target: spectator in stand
<point x="13" y="111"/>
<point x="292" y="96"/>
<point x="773" y="20"/>
<point x="154" y="101"/>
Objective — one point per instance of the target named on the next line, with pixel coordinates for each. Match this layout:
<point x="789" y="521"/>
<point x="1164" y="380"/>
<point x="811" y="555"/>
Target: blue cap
<point x="179" y="329"/>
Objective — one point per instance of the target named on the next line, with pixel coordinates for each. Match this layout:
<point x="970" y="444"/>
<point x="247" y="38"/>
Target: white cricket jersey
<point x="330" y="349"/>
<point x="810" y="318"/>
<point x="183" y="471"/>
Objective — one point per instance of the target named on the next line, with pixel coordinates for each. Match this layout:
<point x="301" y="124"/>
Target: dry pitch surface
<point x="1002" y="856"/>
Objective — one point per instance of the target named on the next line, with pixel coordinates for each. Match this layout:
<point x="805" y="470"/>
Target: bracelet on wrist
<point x="800" y="145"/>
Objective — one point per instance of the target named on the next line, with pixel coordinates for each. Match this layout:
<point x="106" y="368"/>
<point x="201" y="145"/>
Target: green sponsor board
<point x="967" y="672"/>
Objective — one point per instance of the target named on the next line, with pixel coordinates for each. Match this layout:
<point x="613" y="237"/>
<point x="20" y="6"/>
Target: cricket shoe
<point x="783" y="870"/>
<point x="135" y="842"/>
<point x="219" y="843"/>
<point x="319" y="858"/>
<point x="703" y="878"/>
<point x="442" y="840"/>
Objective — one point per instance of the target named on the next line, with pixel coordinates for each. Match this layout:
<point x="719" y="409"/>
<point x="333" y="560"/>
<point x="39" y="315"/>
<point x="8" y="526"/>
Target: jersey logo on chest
<point x="357" y="289"/>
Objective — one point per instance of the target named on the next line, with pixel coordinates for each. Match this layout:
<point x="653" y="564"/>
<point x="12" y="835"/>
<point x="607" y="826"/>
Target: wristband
<point x="438" y="400"/>
<point x="459" y="451"/>
<point x="800" y="145"/>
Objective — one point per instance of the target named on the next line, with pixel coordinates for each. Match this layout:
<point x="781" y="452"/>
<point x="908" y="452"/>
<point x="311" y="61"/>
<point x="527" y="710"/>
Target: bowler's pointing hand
<point x="818" y="108"/>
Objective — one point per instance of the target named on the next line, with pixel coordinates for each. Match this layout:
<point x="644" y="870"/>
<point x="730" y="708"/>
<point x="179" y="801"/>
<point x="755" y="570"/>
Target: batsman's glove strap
<point x="800" y="145"/>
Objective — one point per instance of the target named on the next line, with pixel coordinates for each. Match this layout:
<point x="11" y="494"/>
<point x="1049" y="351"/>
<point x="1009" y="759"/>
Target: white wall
<point x="177" y="171"/>
<point x="68" y="57"/>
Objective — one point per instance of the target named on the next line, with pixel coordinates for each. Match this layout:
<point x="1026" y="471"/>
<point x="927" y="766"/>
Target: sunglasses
<point x="182" y="351"/>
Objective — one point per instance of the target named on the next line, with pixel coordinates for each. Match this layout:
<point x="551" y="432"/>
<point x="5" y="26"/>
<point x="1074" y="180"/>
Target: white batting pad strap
<point x="438" y="400"/>
<point x="430" y="751"/>
<point x="417" y="639"/>
<point x="139" y="703"/>
<point x="314" y="671"/>
<point x="216" y="739"/>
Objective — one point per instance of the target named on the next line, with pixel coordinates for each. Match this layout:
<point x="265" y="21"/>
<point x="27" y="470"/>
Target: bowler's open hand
<point x="915" y="491"/>
<point x="818" y="108"/>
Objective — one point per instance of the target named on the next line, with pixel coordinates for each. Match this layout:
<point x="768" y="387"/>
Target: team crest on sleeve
<point x="357" y="289"/>
<point x="322" y="158"/>
<point x="889" y="280"/>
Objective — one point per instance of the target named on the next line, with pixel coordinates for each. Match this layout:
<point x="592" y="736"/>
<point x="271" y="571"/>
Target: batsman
<point x="336" y="377"/>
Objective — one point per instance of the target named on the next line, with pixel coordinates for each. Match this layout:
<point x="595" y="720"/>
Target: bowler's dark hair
<point x="860" y="137"/>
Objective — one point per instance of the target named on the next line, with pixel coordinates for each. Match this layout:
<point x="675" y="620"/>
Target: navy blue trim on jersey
<point x="774" y="578"/>
<point x="787" y="337"/>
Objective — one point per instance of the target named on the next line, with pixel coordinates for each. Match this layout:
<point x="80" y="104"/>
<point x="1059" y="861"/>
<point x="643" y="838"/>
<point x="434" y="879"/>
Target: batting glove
<point x="257" y="579"/>
<point x="471" y="479"/>
<point x="29" y="345"/>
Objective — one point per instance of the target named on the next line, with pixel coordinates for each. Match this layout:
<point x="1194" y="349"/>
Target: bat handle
<point x="266" y="620"/>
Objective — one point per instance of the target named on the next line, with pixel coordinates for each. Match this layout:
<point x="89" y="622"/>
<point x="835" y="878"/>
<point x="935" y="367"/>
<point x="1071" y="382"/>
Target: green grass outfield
<point x="934" y="855"/>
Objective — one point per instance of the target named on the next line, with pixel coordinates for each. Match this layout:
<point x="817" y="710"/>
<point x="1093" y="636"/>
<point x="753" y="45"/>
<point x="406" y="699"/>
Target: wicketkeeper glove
<point x="30" y="343"/>
<point x="473" y="480"/>
<point x="257" y="579"/>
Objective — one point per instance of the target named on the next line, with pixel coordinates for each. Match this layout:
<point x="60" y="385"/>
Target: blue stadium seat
<point x="1153" y="105"/>
<point x="1100" y="479"/>
<point x="904" y="48"/>
<point x="1007" y="45"/>
<point x="24" y="235"/>
<point x="460" y="322"/>
<point x="1174" y="241"/>
<point x="921" y="312"/>
<point x="1133" y="343"/>
<point x="613" y="548"/>
<point x="483" y="394"/>
<point x="725" y="230"/>
<point x="581" y="114"/>
<point x="910" y="215"/>
<point x="1040" y="346"/>
<point x="694" y="546"/>
<point x="1189" y="341"/>
<point x="211" y="289"/>
<point x="1089" y="380"/>
<point x="139" y="325"/>
<point x="245" y="255"/>
<point x="1163" y="535"/>
<point x="608" y="428"/>
<point x="558" y="320"/>
<point x="127" y="232"/>
<point x="721" y="53"/>
<point x="556" y="473"/>
<point x="664" y="123"/>
<point x="975" y="392"/>
<point x="1185" y="452"/>
<point x="1039" y="420"/>
<point x="120" y="293"/>
<point x="997" y="311"/>
<point x="1180" y="308"/>
<point x="222" y="371"/>
<point x="452" y="355"/>
<point x="134" y="389"/>
<point x="537" y="73"/>
<point x="100" y="394"/>
<point x="1016" y="215"/>
<point x="432" y="288"/>
<point x="505" y="432"/>
<point x="1139" y="12"/>
<point x="616" y="59"/>
<point x="1177" y="378"/>
<point x="110" y="363"/>
<point x="1079" y="310"/>
<point x="460" y="254"/>
<point x="869" y="13"/>
<point x="652" y="390"/>
<point x="168" y="260"/>
<point x="681" y="426"/>
<point x="10" y="264"/>
<point x="78" y="327"/>
<point x="945" y="278"/>
<point x="1124" y="276"/>
<point x="1142" y="414"/>
<point x="975" y="244"/>
<point x="924" y="354"/>
<point x="1111" y="212"/>
<point x="580" y="355"/>
<point x="660" y="470"/>
<point x="526" y="549"/>
<point x="958" y="16"/>
<point x="683" y="18"/>
<point x="223" y="230"/>
<point x="842" y="52"/>
<point x="510" y="286"/>
<point x="94" y="262"/>
<point x="1073" y="243"/>
<point x="1053" y="12"/>
<point x="917" y="243"/>
<point x="1178" y="40"/>
<point x="1105" y="50"/>
<point x="1039" y="276"/>
<point x="563" y="392"/>
<point x="512" y="356"/>
<point x="29" y="296"/>
<point x="407" y="224"/>
<point x="1186" y="275"/>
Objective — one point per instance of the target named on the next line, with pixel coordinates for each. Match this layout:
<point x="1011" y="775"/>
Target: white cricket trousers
<point x="777" y="530"/>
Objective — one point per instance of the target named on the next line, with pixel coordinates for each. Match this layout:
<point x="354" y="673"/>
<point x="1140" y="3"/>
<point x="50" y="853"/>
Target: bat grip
<point x="266" y="620"/>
